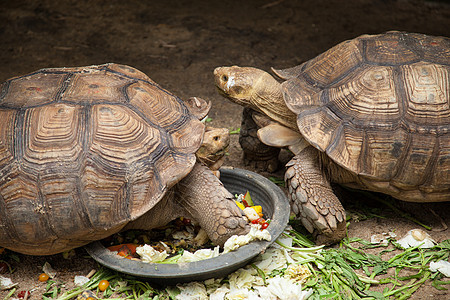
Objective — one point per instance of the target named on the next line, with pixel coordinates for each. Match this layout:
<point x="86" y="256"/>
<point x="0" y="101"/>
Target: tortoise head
<point x="247" y="86"/>
<point x="214" y="147"/>
<point x="256" y="89"/>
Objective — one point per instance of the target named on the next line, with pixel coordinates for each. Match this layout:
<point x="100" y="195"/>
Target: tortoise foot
<point x="312" y="199"/>
<point x="207" y="201"/>
<point x="329" y="238"/>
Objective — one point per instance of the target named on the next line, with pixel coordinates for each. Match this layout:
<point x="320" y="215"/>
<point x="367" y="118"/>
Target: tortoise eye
<point x="224" y="78"/>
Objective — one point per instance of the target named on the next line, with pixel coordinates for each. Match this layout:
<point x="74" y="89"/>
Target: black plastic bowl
<point x="237" y="181"/>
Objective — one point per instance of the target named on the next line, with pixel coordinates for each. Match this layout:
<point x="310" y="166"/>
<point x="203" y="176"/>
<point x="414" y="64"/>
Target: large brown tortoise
<point x="86" y="152"/>
<point x="371" y="113"/>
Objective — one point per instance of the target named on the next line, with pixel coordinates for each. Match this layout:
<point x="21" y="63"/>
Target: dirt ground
<point x="178" y="43"/>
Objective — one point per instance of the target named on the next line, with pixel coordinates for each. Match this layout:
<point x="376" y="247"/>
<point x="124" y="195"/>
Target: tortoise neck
<point x="268" y="99"/>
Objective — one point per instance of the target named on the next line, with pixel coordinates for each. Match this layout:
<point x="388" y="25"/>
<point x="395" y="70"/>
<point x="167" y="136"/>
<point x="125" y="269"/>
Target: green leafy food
<point x="236" y="131"/>
<point x="348" y="272"/>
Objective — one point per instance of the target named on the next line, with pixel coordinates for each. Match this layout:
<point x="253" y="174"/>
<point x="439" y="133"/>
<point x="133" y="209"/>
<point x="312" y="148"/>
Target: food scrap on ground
<point x="416" y="238"/>
<point x="43" y="277"/>
<point x="48" y="270"/>
<point x="382" y="238"/>
<point x="103" y="285"/>
<point x="6" y="283"/>
<point x="441" y="266"/>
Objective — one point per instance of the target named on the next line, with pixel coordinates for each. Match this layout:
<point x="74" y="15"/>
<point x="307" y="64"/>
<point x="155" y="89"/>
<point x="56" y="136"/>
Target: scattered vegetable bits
<point x="294" y="268"/>
<point x="103" y="285"/>
<point x="179" y="240"/>
<point x="22" y="294"/>
<point x="43" y="277"/>
<point x="125" y="250"/>
<point x="252" y="212"/>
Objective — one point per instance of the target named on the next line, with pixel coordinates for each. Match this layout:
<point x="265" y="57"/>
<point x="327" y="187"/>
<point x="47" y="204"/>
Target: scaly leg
<point x="211" y="205"/>
<point x="256" y="153"/>
<point x="312" y="198"/>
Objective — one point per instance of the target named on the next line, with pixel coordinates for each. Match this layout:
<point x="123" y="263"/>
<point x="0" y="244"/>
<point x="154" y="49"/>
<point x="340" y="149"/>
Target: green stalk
<point x="309" y="251"/>
<point x="300" y="239"/>
<point x="411" y="287"/>
<point x="367" y="279"/>
<point x="260" y="273"/>
<point x="400" y="255"/>
<point x="415" y="287"/>
<point x="10" y="294"/>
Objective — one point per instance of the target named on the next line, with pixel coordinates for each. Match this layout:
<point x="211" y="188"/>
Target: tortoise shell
<point x="85" y="150"/>
<point x="379" y="106"/>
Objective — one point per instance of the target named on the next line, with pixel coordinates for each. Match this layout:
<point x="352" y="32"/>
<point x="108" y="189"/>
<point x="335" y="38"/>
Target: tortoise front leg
<point x="312" y="198"/>
<point x="256" y="153"/>
<point x="205" y="198"/>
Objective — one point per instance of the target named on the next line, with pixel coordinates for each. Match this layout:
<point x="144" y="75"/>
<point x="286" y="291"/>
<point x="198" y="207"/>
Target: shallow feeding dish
<point x="237" y="181"/>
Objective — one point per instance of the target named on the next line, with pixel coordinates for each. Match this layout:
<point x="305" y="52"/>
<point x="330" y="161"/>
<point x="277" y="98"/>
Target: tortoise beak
<point x="231" y="83"/>
<point x="221" y="78"/>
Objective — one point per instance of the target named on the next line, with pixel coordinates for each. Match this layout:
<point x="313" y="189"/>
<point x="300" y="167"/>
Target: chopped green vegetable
<point x="236" y="131"/>
<point x="248" y="199"/>
<point x="336" y="270"/>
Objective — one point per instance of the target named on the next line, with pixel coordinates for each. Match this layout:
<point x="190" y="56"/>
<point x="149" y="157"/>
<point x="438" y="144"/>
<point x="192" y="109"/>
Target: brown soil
<point x="178" y="43"/>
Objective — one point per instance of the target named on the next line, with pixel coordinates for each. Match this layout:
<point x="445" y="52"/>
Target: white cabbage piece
<point x="441" y="266"/>
<point x="242" y="278"/>
<point x="271" y="259"/>
<point x="219" y="293"/>
<point x="237" y="241"/>
<point x="286" y="289"/>
<point x="200" y="254"/>
<point x="149" y="254"/>
<point x="192" y="291"/>
<point x="80" y="280"/>
<point x="6" y="283"/>
<point x="415" y="237"/>
<point x="241" y="294"/>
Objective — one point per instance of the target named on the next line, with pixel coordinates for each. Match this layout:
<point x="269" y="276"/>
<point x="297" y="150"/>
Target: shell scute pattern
<point x="384" y="112"/>
<point x="108" y="134"/>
